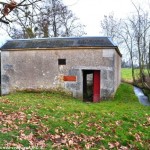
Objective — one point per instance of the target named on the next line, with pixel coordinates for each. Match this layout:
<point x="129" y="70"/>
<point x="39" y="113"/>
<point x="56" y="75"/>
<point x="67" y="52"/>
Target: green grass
<point x="57" y="121"/>
<point x="126" y="74"/>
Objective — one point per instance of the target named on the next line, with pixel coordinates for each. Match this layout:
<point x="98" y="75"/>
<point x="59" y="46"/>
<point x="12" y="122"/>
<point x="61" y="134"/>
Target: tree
<point x="133" y="34"/>
<point x="110" y="27"/>
<point x="58" y="21"/>
<point x="6" y="8"/>
<point x="140" y="26"/>
<point x="71" y="24"/>
<point x="48" y="18"/>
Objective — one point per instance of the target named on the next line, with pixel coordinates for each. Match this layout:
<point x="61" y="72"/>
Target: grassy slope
<point x="54" y="121"/>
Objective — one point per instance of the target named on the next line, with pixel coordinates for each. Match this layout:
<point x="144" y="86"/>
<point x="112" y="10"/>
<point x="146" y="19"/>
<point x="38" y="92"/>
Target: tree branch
<point x="18" y="5"/>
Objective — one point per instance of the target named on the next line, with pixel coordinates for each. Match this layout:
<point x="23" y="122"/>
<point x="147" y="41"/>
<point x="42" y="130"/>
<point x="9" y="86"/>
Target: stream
<point x="142" y="98"/>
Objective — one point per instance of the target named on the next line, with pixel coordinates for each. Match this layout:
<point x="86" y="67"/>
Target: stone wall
<point x="39" y="69"/>
<point x="117" y="71"/>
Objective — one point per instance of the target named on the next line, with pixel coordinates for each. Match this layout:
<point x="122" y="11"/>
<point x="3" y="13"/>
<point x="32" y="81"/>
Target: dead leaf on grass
<point x="137" y="137"/>
<point x="113" y="145"/>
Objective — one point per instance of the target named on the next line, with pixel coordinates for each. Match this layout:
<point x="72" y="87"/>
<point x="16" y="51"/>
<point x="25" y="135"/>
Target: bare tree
<point x="111" y="26"/>
<point x="71" y="24"/>
<point x="58" y="20"/>
<point x="127" y="35"/>
<point x="21" y="20"/>
<point x="133" y="34"/>
<point x="48" y="18"/>
<point x="7" y="8"/>
<point x="141" y="29"/>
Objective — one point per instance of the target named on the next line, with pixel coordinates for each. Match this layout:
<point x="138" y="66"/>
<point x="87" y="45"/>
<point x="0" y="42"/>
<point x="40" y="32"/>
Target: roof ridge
<point x="48" y="38"/>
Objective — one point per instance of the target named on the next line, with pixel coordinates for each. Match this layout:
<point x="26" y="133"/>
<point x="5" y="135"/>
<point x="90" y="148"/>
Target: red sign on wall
<point x="70" y="78"/>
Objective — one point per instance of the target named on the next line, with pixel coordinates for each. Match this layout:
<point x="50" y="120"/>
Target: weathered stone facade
<point x="37" y="67"/>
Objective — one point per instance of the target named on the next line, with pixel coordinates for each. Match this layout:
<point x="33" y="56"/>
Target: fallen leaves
<point x="13" y="122"/>
<point x="49" y="125"/>
<point x="38" y="134"/>
<point x="5" y="130"/>
<point x="113" y="145"/>
<point x="33" y="141"/>
<point x="72" y="140"/>
<point x="118" y="123"/>
<point x="13" y="144"/>
<point x="148" y="119"/>
<point x="37" y="129"/>
<point x="147" y="123"/>
<point x="118" y="146"/>
<point x="138" y="137"/>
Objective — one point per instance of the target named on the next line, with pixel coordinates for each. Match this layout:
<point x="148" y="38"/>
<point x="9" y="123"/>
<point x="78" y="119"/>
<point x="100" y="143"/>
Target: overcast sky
<point x="91" y="12"/>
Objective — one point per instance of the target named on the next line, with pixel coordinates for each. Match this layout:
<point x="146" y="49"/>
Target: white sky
<point x="91" y="12"/>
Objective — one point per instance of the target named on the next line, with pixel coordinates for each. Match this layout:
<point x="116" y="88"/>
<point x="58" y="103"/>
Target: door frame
<point x="96" y="85"/>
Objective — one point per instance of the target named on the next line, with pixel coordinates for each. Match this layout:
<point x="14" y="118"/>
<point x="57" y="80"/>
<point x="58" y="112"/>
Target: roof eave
<point x="68" y="48"/>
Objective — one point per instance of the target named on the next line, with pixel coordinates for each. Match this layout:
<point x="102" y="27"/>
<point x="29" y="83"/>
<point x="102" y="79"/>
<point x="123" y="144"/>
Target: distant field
<point x="126" y="74"/>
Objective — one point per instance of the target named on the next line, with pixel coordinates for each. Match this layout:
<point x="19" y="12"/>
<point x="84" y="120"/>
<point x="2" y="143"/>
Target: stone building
<point x="88" y="67"/>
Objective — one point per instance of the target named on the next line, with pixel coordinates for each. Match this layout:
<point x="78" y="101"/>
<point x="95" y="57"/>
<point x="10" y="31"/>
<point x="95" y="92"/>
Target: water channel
<point x="142" y="98"/>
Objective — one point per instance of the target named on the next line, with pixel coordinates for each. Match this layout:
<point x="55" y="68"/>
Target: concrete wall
<point x="39" y="69"/>
<point x="107" y="75"/>
<point x="117" y="71"/>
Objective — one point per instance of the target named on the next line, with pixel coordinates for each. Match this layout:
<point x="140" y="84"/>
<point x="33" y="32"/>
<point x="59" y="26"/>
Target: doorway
<point x="91" y="85"/>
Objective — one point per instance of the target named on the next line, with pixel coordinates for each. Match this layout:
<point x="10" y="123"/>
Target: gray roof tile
<point x="58" y="42"/>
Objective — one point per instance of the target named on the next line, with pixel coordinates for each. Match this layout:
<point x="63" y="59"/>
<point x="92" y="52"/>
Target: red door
<point x="96" y="86"/>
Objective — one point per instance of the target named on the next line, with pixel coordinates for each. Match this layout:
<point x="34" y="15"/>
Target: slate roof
<point x="59" y="42"/>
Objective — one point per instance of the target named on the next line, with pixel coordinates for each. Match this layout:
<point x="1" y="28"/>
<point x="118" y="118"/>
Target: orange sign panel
<point x="70" y="78"/>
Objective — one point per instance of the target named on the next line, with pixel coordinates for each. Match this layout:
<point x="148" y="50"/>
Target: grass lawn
<point x="57" y="121"/>
<point x="126" y="74"/>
